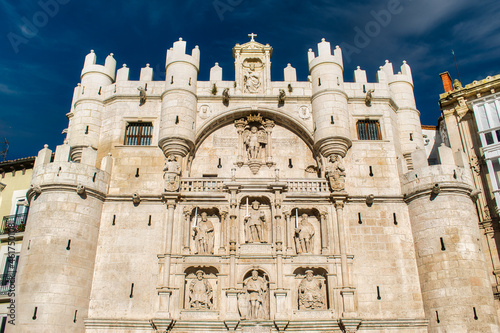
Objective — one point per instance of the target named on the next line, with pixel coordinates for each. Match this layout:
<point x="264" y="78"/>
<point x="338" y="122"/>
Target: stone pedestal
<point x="256" y="248"/>
<point x="281" y="308"/>
<point x="164" y="307"/>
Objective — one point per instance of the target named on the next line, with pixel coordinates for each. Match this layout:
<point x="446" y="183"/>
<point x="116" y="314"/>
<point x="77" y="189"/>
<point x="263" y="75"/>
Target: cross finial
<point x="252" y="35"/>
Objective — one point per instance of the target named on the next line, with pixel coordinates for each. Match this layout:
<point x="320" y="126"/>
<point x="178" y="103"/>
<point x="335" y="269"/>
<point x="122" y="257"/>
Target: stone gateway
<point x="250" y="205"/>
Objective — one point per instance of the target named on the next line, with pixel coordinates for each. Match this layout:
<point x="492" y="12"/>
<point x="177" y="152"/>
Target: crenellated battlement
<point x="177" y="53"/>
<point x="62" y="173"/>
<point x="90" y="69"/>
<point x="325" y="55"/>
<point x="386" y="74"/>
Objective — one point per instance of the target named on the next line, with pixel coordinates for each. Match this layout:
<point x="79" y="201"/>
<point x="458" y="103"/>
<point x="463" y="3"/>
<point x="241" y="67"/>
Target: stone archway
<point x="255" y="139"/>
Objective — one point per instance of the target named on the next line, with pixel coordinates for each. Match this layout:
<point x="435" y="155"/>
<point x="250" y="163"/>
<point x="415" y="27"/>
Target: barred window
<point x="369" y="130"/>
<point x="138" y="134"/>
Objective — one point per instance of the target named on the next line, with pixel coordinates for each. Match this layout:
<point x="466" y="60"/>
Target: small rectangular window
<point x="138" y="134"/>
<point x="368" y="130"/>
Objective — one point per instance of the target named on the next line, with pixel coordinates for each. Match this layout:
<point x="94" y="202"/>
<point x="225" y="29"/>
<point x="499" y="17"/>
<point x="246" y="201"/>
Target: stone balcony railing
<point x="319" y="186"/>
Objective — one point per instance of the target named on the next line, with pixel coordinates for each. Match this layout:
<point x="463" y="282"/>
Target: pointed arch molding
<point x="280" y="118"/>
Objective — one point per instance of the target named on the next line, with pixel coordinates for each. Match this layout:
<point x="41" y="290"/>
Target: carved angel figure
<point x="255" y="140"/>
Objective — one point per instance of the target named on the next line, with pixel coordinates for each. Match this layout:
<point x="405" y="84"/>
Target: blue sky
<point x="42" y="50"/>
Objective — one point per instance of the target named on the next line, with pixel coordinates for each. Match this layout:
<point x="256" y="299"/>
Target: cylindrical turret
<point x="401" y="89"/>
<point x="456" y="290"/>
<point x="329" y="101"/>
<point x="59" y="248"/>
<point x="178" y="108"/>
<point x="85" y="119"/>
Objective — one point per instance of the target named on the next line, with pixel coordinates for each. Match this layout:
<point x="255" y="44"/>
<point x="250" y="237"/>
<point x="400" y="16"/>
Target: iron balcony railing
<point x="14" y="223"/>
<point x="6" y="280"/>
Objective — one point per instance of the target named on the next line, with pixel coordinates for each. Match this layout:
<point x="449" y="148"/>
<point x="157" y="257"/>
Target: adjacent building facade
<point x="15" y="179"/>
<point x="250" y="205"/>
<point x="472" y="116"/>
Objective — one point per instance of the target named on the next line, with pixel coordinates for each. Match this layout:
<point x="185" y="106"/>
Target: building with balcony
<point x="14" y="183"/>
<point x="472" y="116"/>
<point x="250" y="205"/>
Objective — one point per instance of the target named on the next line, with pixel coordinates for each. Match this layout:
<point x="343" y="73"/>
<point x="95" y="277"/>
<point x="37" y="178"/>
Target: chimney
<point x="448" y="86"/>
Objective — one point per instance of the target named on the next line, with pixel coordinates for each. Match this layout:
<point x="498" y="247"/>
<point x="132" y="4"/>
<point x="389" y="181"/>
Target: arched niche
<point x="216" y="151"/>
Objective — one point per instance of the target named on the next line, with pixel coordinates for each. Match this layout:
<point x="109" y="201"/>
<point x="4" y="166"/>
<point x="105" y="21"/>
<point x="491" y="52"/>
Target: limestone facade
<point x="250" y="205"/>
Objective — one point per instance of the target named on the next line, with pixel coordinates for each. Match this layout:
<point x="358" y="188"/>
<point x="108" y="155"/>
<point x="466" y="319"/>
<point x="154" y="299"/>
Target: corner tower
<point x="456" y="290"/>
<point x="58" y="254"/>
<point x="329" y="101"/>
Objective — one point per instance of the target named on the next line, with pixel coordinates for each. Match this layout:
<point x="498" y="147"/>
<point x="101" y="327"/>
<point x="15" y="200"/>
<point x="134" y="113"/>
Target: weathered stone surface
<point x="195" y="254"/>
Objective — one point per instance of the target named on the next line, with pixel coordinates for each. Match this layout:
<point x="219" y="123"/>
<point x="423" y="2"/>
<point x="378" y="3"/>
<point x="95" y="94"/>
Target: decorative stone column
<point x="289" y="233"/>
<point x="324" y="233"/>
<point x="164" y="290"/>
<point x="186" y="229"/>
<point x="168" y="241"/>
<point x="268" y="126"/>
<point x="347" y="291"/>
<point x="240" y="127"/>
<point x="223" y="232"/>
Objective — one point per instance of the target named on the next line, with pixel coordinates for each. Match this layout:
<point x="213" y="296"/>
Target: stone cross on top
<point x="252" y="35"/>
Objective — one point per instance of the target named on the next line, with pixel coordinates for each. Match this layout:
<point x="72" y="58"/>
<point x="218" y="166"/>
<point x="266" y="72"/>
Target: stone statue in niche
<point x="335" y="173"/>
<point x="253" y="302"/>
<point x="305" y="234"/>
<point x="204" y="235"/>
<point x="254" y="224"/>
<point x="311" y="293"/>
<point x="255" y="140"/>
<point x="171" y="174"/>
<point x="200" y="293"/>
<point x="251" y="81"/>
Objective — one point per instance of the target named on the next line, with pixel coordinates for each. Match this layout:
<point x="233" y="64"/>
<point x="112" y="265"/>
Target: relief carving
<point x="252" y="75"/>
<point x="335" y="173"/>
<point x="171" y="174"/>
<point x="311" y="291"/>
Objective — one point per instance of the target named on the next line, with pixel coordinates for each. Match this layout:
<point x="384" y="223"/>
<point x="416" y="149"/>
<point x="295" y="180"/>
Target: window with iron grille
<point x="138" y="134"/>
<point x="369" y="130"/>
